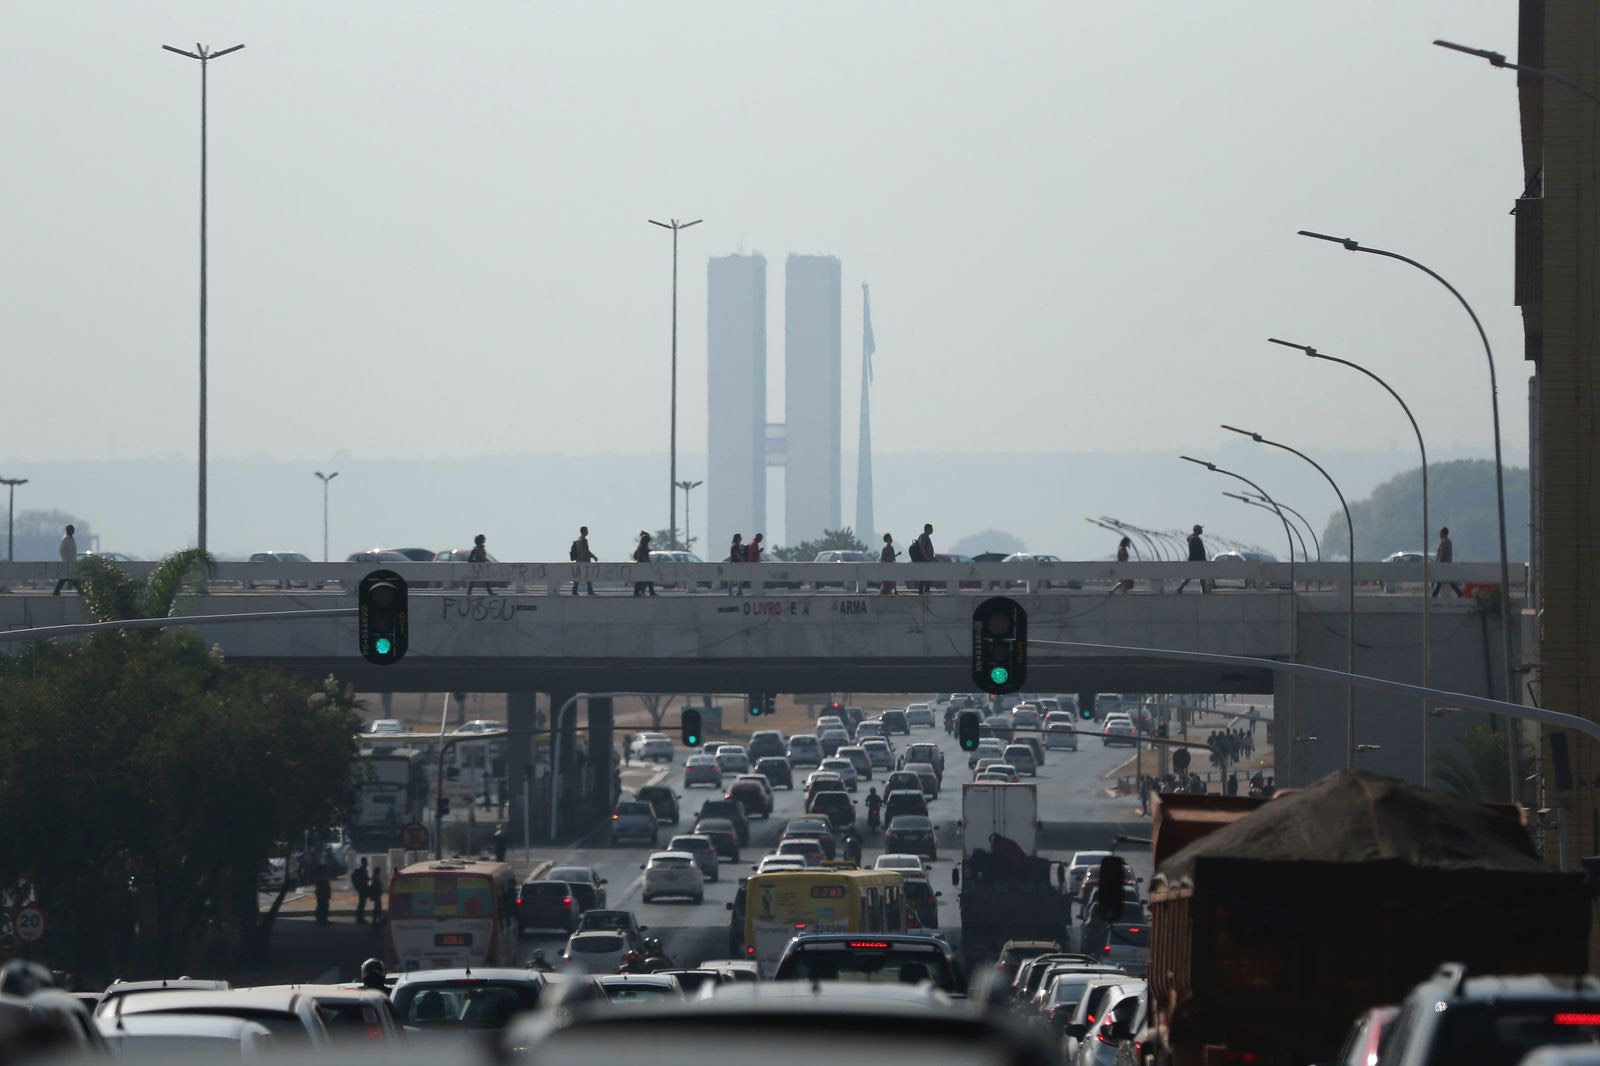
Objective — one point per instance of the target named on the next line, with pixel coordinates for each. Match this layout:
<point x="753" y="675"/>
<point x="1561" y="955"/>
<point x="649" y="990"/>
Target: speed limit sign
<point x="29" y="924"/>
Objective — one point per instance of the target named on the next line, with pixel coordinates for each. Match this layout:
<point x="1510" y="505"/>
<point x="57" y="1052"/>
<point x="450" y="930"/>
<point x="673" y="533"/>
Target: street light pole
<point x="686" y="485"/>
<point x="325" y="478"/>
<point x="11" y="484"/>
<point x="1427" y="529"/>
<point x="1498" y="60"/>
<point x="1350" y="624"/>
<point x="672" y="480"/>
<point x="1215" y="469"/>
<point x="1256" y="502"/>
<point x="205" y="56"/>
<point x="1315" y="543"/>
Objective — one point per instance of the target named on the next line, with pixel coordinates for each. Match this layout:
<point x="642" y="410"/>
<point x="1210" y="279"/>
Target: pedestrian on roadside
<point x="500" y="842"/>
<point x="580" y="553"/>
<point x="377" y="895"/>
<point x="324" y="893"/>
<point x="1233" y="783"/>
<point x="1126" y="584"/>
<point x="887" y="555"/>
<point x="1271" y="787"/>
<point x="361" y="881"/>
<point x="69" y="562"/>
<point x="641" y="555"/>
<point x="1197" y="554"/>
<point x="479" y="554"/>
<point x="924" y="554"/>
<point x="1445" y="553"/>
<point x="1144" y="793"/>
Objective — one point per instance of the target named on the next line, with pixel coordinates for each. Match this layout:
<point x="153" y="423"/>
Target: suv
<point x="733" y="811"/>
<point x="897" y="722"/>
<point x="923" y="751"/>
<point x="910" y="958"/>
<point x="1452" y="1017"/>
<point x="663" y="800"/>
<point x="839" y="809"/>
<point x="635" y="819"/>
<point x="776" y="769"/>
<point x="547" y="905"/>
<point x="752" y="797"/>
<point x="804" y="750"/>
<point x="903" y="801"/>
<point x="623" y="922"/>
<point x="765" y="742"/>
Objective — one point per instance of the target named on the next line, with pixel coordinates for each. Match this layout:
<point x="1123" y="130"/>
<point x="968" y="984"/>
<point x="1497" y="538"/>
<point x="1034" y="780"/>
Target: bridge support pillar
<point x="601" y="768"/>
<point x="522" y="776"/>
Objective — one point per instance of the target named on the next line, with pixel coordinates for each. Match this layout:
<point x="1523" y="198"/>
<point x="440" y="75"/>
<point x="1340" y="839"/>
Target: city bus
<point x="391" y="790"/>
<point x="451" y="913"/>
<point x="783" y="904"/>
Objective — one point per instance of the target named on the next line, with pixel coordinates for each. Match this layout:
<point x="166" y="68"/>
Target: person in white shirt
<point x="69" y="560"/>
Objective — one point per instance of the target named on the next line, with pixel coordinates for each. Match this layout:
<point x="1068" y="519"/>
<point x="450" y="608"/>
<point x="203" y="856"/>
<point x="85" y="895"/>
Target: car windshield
<point x="569" y="873"/>
<point x="595" y="945"/>
<point x="879" y="965"/>
<point x="671" y="862"/>
<point x="910" y="821"/>
<point x="465" y="1004"/>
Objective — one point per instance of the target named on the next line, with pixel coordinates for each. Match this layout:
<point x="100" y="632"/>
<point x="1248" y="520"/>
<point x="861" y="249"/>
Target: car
<point x="787" y="861"/>
<point x="547" y="905"/>
<point x="1093" y="927"/>
<point x="859" y="759"/>
<point x="724" y="837"/>
<point x="1000" y="727"/>
<point x="838" y="807"/>
<point x="922" y="902"/>
<point x="832" y="740"/>
<point x="703" y="850"/>
<point x="911" y="959"/>
<point x="1098" y="995"/>
<point x="702" y="770"/>
<point x="662" y="800"/>
<point x="1035" y="745"/>
<point x="596" y="952"/>
<point x="627" y="990"/>
<point x="765" y="743"/>
<point x="879" y="752"/>
<point x="180" y="1036"/>
<point x="823" y="781"/>
<point x="479" y="725"/>
<point x="255" y="557"/>
<point x="924" y="751"/>
<point x="1025" y="716"/>
<point x="1079" y="866"/>
<point x="988" y="748"/>
<point x="920" y="714"/>
<point x="291" y="1016"/>
<point x="808" y="850"/>
<point x="903" y="801"/>
<point x="615" y="921"/>
<point x="844" y="768"/>
<point x="1020" y="757"/>
<point x="754" y="795"/>
<point x="872" y="727"/>
<point x="889" y="860"/>
<point x="731" y="810"/>
<point x="733" y="759"/>
<point x="804" y="750"/>
<point x="1061" y="735"/>
<point x="819" y="829"/>
<point x="692" y="981"/>
<point x="636" y="820"/>
<point x="1013" y="953"/>
<point x="998" y="775"/>
<point x="897" y="722"/>
<point x="1239" y="560"/>
<point x="1122" y="1019"/>
<point x="1128" y="946"/>
<point x="590" y="886"/>
<point x="1027" y="991"/>
<point x="1456" y="1017"/>
<point x="913" y="834"/>
<point x="386" y="727"/>
<point x="654" y="747"/>
<point x="927" y="778"/>
<point x="840" y="556"/>
<point x="826" y="722"/>
<point x="777" y="771"/>
<point x="1365" y="1040"/>
<point x="1119" y="730"/>
<point x="120" y="988"/>
<point x="673" y="873"/>
<point x="902" y="779"/>
<point x="352" y="1015"/>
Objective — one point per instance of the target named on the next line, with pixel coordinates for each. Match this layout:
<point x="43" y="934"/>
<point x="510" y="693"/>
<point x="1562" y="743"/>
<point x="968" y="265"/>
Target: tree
<point x="831" y="540"/>
<point x="668" y="538"/>
<point x="111" y="594"/>
<point x="49" y="524"/>
<point x="657" y="706"/>
<point x="1461" y="495"/>
<point x="1480" y="770"/>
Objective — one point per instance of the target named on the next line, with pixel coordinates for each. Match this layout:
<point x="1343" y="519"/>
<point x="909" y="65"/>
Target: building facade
<point x="736" y="415"/>
<point x="812" y="368"/>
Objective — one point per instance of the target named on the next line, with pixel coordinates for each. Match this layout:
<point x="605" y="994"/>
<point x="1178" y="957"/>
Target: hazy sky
<point x="1076" y="218"/>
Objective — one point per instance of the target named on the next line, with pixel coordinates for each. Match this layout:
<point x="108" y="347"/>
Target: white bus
<point x="450" y="914"/>
<point x="391" y="790"/>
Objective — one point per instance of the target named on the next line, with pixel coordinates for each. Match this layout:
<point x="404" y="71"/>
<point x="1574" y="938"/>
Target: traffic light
<point x="1086" y="711"/>
<point x="691" y="727"/>
<point x="381" y="633"/>
<point x="999" y="645"/>
<point x="764" y="704"/>
<point x="967" y="730"/>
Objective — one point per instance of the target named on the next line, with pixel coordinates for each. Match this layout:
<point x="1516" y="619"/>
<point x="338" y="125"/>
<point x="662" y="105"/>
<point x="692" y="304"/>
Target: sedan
<point x="1119" y="731"/>
<point x="733" y="759"/>
<point x="988" y="748"/>
<point x="723" y="836"/>
<point x="790" y="861"/>
<point x="808" y="849"/>
<point x="913" y="835"/>
<point x="653" y="746"/>
<point x="702" y="770"/>
<point x="1020" y="756"/>
<point x="844" y="768"/>
<point x="673" y="873"/>
<point x="634" y="819"/>
<point x="904" y="801"/>
<point x="1005" y="775"/>
<point x="859" y="759"/>
<point x="597" y="952"/>
<point x="588" y="885"/>
<point x="927" y="778"/>
<point x="1060" y="736"/>
<point x="703" y="850"/>
<point x="832" y="740"/>
<point x="819" y="829"/>
<point x="879" y="751"/>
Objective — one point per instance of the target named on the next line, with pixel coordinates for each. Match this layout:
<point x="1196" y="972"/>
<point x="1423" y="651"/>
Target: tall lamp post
<point x="205" y="55"/>
<point x="1315" y="543"/>
<point x="672" y="481"/>
<point x="1499" y="478"/>
<point x="1350" y="623"/>
<point x="1427" y="598"/>
<point x="1498" y="60"/>
<point x="325" y="478"/>
<point x="1257" y="501"/>
<point x="686" y="486"/>
<point x="11" y="484"/>
<point x="1215" y="469"/>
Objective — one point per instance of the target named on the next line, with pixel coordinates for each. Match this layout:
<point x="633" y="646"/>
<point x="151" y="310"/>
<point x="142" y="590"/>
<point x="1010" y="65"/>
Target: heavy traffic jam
<point x="955" y="880"/>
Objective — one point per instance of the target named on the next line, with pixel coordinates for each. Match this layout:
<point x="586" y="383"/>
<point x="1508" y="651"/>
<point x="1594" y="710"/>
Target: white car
<point x="1020" y="756"/>
<point x="988" y="748"/>
<point x="769" y="863"/>
<point x="910" y="864"/>
<point x="673" y="873"/>
<point x="733" y="759"/>
<point x="386" y="727"/>
<point x="654" y="746"/>
<point x="844" y="768"/>
<point x="290" y="1014"/>
<point x="182" y="1035"/>
<point x="1060" y="736"/>
<point x="920" y="714"/>
<point x="598" y="951"/>
<point x="880" y="751"/>
<point x="481" y="725"/>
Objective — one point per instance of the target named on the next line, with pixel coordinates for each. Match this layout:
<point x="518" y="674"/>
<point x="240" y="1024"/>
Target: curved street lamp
<point x="1262" y="504"/>
<point x="1215" y="469"/>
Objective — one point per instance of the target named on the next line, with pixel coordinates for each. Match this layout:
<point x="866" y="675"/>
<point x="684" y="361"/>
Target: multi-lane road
<point x="1073" y="804"/>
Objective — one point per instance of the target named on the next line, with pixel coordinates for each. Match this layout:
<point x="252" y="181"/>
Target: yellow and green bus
<point x="783" y="904"/>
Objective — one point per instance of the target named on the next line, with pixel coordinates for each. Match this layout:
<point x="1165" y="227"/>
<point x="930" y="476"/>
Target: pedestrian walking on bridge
<point x="641" y="555"/>
<point x="479" y="554"/>
<point x="69" y="562"/>
<point x="580" y="553"/>
<point x="922" y="552"/>
<point x="1197" y="554"/>
<point x="887" y="555"/>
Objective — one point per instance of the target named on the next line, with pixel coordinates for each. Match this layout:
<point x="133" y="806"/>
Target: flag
<point x="868" y="343"/>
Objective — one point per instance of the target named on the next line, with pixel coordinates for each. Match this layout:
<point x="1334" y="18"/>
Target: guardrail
<point x="857" y="578"/>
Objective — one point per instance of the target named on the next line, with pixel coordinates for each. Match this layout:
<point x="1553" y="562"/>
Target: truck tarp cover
<point x="1358" y="817"/>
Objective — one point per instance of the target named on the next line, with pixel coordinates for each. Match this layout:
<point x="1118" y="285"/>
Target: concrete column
<point x="521" y="717"/>
<point x="600" y="766"/>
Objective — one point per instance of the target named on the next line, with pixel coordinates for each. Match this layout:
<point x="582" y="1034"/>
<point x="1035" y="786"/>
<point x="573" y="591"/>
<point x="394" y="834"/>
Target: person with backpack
<point x="922" y="552"/>
<point x="580" y="553"/>
<point x="1197" y="554"/>
<point x="887" y="555"/>
<point x="641" y="555"/>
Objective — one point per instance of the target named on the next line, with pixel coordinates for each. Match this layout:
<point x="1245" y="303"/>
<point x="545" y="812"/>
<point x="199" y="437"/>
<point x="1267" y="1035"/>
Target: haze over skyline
<point x="1078" y="223"/>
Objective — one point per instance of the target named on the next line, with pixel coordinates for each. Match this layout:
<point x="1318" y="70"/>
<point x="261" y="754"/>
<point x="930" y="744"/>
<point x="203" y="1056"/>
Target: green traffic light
<point x="999" y="675"/>
<point x="383" y="645"/>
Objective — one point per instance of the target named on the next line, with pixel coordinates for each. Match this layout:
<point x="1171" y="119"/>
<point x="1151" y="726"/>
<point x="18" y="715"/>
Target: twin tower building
<point x="743" y="444"/>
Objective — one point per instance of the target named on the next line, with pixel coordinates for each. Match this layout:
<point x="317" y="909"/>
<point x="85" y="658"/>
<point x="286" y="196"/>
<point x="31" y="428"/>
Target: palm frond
<point x="161" y="588"/>
<point x="110" y="593"/>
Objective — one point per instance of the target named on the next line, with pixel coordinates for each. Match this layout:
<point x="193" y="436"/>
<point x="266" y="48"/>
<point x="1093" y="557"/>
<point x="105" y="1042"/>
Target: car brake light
<point x="799" y="925"/>
<point x="566" y="901"/>
<point x="750" y="950"/>
<point x="1572" y="1018"/>
<point x="1100" y="1035"/>
<point x="519" y="901"/>
<point x="869" y="945"/>
<point x="1108" y="949"/>
<point x="374" y="1033"/>
<point x="1089" y="1020"/>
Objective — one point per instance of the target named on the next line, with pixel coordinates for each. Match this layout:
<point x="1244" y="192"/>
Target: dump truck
<point x="1274" y="927"/>
<point x="1007" y="892"/>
